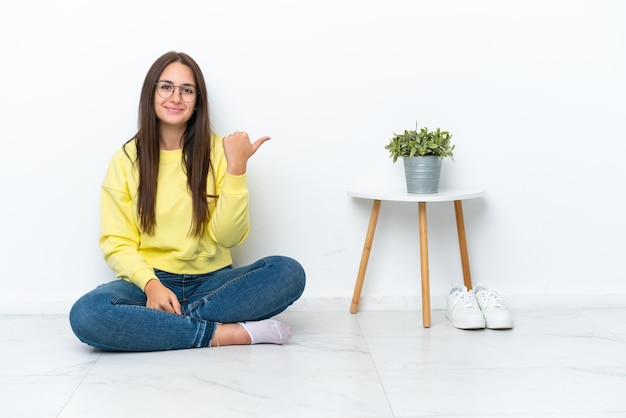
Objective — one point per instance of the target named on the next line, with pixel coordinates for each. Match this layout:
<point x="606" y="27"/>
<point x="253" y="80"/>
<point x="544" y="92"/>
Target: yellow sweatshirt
<point x="133" y="255"/>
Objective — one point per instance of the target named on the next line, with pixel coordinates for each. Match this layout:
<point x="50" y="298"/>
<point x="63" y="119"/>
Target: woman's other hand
<point x="238" y="150"/>
<point x="161" y="298"/>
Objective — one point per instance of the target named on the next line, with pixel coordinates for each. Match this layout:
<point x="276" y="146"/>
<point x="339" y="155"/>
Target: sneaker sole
<point x="499" y="324"/>
<point x="467" y="324"/>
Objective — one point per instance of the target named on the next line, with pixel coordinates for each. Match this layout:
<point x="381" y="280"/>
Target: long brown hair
<point x="196" y="147"/>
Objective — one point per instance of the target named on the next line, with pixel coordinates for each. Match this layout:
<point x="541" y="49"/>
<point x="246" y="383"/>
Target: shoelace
<point x="492" y="299"/>
<point x="468" y="298"/>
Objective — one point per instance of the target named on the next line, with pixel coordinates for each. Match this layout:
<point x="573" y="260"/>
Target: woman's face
<point x="178" y="82"/>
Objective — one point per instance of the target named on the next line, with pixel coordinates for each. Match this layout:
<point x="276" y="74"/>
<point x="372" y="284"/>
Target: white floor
<point x="560" y="363"/>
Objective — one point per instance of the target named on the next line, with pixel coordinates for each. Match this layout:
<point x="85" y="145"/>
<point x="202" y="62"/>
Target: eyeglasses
<point x="165" y="89"/>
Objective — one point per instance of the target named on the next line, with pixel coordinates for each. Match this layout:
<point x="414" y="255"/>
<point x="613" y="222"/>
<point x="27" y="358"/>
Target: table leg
<point x="460" y="226"/>
<point x="367" y="248"/>
<point x="423" y="225"/>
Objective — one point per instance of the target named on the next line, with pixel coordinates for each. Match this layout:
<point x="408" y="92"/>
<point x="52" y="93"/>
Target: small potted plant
<point x="422" y="151"/>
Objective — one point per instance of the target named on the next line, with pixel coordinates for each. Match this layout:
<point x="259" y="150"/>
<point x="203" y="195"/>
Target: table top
<point x="400" y="195"/>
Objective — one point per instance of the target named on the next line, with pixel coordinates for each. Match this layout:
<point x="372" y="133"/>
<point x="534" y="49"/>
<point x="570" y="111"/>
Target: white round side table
<point x="377" y="195"/>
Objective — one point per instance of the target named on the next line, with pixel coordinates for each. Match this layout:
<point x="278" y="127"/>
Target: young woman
<point x="174" y="201"/>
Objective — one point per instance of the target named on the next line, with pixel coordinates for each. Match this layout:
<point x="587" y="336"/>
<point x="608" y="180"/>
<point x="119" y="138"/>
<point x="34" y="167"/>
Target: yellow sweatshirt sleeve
<point x="120" y="237"/>
<point x="229" y="223"/>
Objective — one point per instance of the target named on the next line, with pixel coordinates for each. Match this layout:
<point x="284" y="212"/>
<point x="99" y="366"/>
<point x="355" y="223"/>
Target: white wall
<point x="533" y="92"/>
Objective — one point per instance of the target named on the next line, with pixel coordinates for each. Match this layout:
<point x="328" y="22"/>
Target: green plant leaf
<point x="420" y="141"/>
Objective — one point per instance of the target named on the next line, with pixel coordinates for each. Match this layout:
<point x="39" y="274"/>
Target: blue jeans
<point x="114" y="316"/>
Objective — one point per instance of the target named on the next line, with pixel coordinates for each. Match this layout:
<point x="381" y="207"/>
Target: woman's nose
<point x="177" y="95"/>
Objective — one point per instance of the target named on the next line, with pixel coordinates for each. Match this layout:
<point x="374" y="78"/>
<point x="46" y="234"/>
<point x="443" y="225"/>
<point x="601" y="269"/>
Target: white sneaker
<point x="462" y="309"/>
<point x="497" y="316"/>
